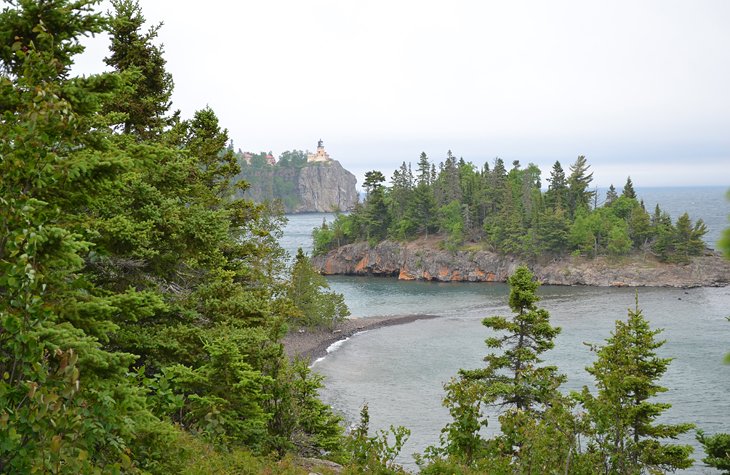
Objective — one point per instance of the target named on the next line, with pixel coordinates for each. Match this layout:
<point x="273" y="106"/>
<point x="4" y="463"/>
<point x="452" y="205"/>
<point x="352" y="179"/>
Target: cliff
<point x="424" y="260"/>
<point x="314" y="187"/>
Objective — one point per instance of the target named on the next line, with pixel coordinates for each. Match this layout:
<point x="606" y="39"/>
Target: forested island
<point x="143" y="303"/>
<point x="459" y="222"/>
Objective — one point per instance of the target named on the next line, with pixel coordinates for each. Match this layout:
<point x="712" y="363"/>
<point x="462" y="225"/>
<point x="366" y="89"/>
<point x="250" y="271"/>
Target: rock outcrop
<point x="317" y="187"/>
<point x="324" y="187"/>
<point x="424" y="260"/>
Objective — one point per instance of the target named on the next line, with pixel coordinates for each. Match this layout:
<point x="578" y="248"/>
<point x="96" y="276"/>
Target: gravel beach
<point x="312" y="344"/>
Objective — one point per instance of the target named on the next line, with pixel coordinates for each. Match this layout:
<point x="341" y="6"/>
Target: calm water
<point x="399" y="371"/>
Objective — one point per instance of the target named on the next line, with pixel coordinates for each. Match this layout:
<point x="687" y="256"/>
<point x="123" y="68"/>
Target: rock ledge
<point x="424" y="260"/>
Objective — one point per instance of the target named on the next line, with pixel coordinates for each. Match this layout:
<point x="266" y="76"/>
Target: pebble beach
<point x="310" y="344"/>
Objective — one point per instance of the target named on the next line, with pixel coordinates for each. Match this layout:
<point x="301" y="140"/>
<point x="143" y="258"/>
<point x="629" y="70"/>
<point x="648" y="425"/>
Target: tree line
<point x="508" y="212"/>
<point x="142" y="305"/>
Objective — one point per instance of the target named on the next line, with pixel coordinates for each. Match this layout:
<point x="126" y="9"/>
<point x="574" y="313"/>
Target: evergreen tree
<point x="611" y="195"/>
<point x="145" y="100"/>
<point x="578" y="182"/>
<point x="398" y="197"/>
<point x="422" y="209"/>
<point x="205" y="141"/>
<point x="556" y="195"/>
<point x="628" y="190"/>
<point x="717" y="449"/>
<point x="724" y="243"/>
<point x="513" y="379"/>
<point x="447" y="186"/>
<point x="622" y="414"/>
<point x="67" y="401"/>
<point x="424" y="170"/>
<point x="687" y="239"/>
<point x="309" y="293"/>
<point x="375" y="216"/>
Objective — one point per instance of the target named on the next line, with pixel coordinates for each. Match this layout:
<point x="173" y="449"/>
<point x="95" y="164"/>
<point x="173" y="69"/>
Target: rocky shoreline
<point x="423" y="259"/>
<point x="310" y="344"/>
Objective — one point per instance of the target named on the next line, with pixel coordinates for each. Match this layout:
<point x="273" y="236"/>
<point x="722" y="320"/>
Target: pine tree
<point x="622" y="414"/>
<point x="513" y="379"/>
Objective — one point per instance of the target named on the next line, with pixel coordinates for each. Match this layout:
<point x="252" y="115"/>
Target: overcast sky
<point x="642" y="88"/>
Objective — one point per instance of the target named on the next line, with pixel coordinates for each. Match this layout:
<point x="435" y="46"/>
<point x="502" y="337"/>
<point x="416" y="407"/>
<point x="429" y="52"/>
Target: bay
<point x="399" y="371"/>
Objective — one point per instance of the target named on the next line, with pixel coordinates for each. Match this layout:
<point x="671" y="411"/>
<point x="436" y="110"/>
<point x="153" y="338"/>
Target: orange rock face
<point x="360" y="267"/>
<point x="328" y="267"/>
<point x="406" y="275"/>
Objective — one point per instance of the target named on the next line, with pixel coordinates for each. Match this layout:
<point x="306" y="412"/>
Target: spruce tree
<point x="622" y="414"/>
<point x="578" y="182"/>
<point x="67" y="401"/>
<point x="611" y="195"/>
<point x="145" y="100"/>
<point x="309" y="291"/>
<point x="513" y="378"/>
<point x="628" y="190"/>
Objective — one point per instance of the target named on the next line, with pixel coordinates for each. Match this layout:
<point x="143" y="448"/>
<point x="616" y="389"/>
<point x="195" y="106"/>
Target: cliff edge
<point x="424" y="260"/>
<point x="324" y="187"/>
<point x="316" y="187"/>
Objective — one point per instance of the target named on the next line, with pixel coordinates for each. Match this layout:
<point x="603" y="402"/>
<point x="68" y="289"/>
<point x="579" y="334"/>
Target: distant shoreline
<point x="311" y="344"/>
<point x="424" y="259"/>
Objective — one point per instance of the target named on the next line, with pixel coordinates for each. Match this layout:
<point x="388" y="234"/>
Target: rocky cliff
<point x="424" y="260"/>
<point x="315" y="187"/>
<point x="325" y="187"/>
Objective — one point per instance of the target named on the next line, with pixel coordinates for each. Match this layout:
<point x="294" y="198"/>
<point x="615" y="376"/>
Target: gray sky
<point x="639" y="87"/>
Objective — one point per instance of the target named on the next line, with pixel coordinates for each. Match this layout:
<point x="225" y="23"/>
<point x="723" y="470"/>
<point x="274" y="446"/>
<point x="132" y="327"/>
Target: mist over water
<point x="400" y="370"/>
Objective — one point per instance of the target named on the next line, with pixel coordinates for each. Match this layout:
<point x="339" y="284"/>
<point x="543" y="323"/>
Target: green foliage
<point x="717" y="448"/>
<point x="578" y="195"/>
<point x="451" y="221"/>
<point x="316" y="307"/>
<point x="145" y="99"/>
<point x="725" y="239"/>
<point x="140" y="299"/>
<point x="375" y="454"/>
<point x="292" y="158"/>
<point x="506" y="211"/>
<point x="262" y="181"/>
<point x="623" y="434"/>
<point x="628" y="190"/>
<point x="513" y="378"/>
<point x="460" y="439"/>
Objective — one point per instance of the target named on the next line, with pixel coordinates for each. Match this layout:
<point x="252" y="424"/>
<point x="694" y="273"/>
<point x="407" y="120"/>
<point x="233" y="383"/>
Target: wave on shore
<point x="314" y="344"/>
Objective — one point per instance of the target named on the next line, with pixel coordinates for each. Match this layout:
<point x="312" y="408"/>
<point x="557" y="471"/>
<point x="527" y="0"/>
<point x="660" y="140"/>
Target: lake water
<point x="399" y="371"/>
